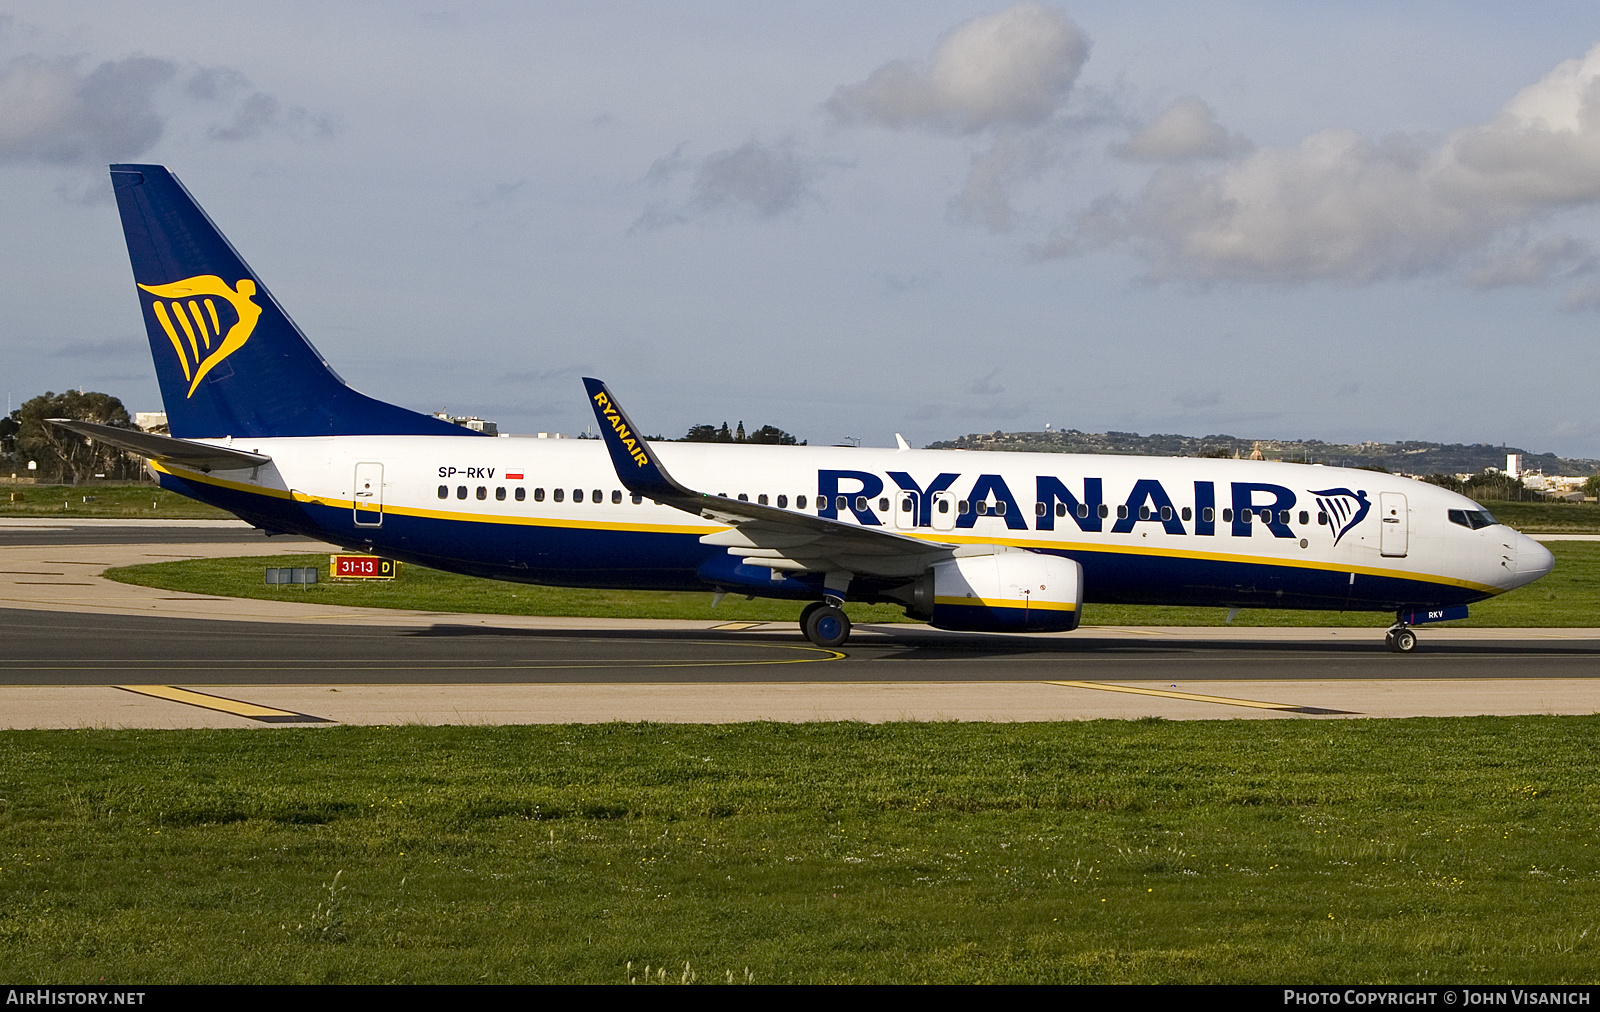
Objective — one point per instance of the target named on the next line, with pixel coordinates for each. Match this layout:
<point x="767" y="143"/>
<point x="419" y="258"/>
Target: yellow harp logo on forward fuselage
<point x="190" y="318"/>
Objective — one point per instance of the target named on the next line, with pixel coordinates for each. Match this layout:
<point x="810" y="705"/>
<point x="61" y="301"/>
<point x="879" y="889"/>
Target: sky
<point x="1344" y="221"/>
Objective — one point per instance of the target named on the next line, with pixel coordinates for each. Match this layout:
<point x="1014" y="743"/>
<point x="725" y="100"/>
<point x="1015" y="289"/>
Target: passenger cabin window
<point x="983" y="509"/>
<point x="522" y="493"/>
<point x="1227" y="516"/>
<point x="1104" y="511"/>
<point x="500" y="494"/>
<point x="783" y="502"/>
<point x="1122" y="512"/>
<point x="444" y="491"/>
<point x="1187" y="514"/>
<point x="483" y="493"/>
<point x="1144" y="513"/>
<point x="963" y="507"/>
<point x="577" y="495"/>
<point x="883" y="504"/>
<point x="799" y="502"/>
<point x="616" y="497"/>
<point x="637" y="498"/>
<point x="1208" y="514"/>
<point x="1305" y="518"/>
<point x="1322" y="518"/>
<point x="597" y="496"/>
<point x="1083" y="510"/>
<point x="461" y="491"/>
<point x="761" y="500"/>
<point x="1166" y="513"/>
<point x="538" y="495"/>
<point x="744" y="497"/>
<point x="558" y="494"/>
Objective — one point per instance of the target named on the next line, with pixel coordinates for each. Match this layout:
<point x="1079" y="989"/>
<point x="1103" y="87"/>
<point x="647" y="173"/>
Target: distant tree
<point x="1592" y="486"/>
<point x="768" y="434"/>
<point x="8" y="432"/>
<point x="68" y="455"/>
<point x="1448" y="481"/>
<point x="1497" y="486"/>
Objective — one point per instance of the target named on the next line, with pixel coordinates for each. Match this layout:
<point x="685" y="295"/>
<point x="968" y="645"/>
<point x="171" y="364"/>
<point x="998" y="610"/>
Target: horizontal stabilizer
<point x="166" y="449"/>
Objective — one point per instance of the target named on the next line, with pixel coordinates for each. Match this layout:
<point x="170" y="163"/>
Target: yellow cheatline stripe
<point x="1173" y="694"/>
<point x="944" y="537"/>
<point x="735" y="626"/>
<point x="238" y="708"/>
<point x="1001" y="602"/>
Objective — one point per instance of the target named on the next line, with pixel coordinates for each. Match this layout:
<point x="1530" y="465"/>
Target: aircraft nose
<point x="1533" y="560"/>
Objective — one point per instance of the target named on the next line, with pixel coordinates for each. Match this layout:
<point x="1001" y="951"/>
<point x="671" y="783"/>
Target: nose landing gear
<point x="1400" y="639"/>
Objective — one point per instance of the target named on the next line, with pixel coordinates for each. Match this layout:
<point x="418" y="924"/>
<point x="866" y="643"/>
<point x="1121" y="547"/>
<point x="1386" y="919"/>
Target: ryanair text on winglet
<point x="627" y="438"/>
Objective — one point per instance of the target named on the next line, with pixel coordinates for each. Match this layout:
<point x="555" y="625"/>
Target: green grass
<point x="141" y="501"/>
<point x="1569" y="596"/>
<point x="1548" y="517"/>
<point x="1455" y="850"/>
<point x="422" y="589"/>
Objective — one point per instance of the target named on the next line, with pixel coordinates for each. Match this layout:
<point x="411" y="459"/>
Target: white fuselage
<point x="1147" y="529"/>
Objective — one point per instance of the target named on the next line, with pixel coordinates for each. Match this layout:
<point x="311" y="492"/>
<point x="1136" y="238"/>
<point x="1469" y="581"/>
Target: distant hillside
<point x="1409" y="457"/>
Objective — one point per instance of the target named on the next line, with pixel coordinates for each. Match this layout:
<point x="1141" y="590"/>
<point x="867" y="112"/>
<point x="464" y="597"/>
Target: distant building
<point x="1514" y="465"/>
<point x="472" y="422"/>
<point x="151" y="421"/>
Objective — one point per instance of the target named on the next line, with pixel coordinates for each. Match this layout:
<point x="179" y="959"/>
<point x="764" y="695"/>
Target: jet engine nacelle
<point x="1009" y="591"/>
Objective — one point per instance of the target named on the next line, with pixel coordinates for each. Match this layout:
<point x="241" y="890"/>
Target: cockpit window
<point x="1472" y="519"/>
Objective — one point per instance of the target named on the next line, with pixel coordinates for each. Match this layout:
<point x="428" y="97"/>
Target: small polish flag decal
<point x="514" y="475"/>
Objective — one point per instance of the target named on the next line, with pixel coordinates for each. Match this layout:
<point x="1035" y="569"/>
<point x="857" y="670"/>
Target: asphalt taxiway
<point x="79" y="650"/>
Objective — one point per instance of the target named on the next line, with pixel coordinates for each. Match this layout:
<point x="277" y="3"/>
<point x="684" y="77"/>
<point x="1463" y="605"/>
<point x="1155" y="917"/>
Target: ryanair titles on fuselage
<point x="1201" y="508"/>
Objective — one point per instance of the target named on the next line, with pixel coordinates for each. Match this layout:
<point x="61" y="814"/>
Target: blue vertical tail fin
<point x="230" y="361"/>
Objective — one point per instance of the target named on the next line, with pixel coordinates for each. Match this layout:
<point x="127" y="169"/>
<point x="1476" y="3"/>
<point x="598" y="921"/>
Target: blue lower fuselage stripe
<point x="651" y="560"/>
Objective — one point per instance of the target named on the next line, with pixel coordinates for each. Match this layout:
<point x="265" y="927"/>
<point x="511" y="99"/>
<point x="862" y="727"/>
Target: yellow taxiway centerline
<point x="1173" y="694"/>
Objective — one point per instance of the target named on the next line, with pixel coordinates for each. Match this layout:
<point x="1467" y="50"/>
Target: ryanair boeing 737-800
<point x="1013" y="542"/>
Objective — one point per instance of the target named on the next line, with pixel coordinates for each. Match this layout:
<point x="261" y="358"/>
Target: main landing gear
<point x="824" y="624"/>
<point x="1400" y="639"/>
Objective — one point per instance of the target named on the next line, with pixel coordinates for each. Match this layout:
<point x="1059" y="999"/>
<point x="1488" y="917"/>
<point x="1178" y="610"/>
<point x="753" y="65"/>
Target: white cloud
<point x="1014" y="67"/>
<point x="1339" y="206"/>
<point x="985" y="197"/>
<point x="767" y="179"/>
<point x="49" y="112"/>
<point x="1551" y="257"/>
<point x="1186" y="131"/>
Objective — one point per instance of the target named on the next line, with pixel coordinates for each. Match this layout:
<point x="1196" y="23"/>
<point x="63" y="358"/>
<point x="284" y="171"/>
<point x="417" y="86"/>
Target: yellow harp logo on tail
<point x="193" y="325"/>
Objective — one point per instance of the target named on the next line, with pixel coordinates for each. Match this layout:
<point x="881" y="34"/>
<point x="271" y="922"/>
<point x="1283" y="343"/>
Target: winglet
<point x="634" y="461"/>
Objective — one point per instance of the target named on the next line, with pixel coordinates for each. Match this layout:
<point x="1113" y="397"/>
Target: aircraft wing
<point x="762" y="535"/>
<point x="166" y="449"/>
